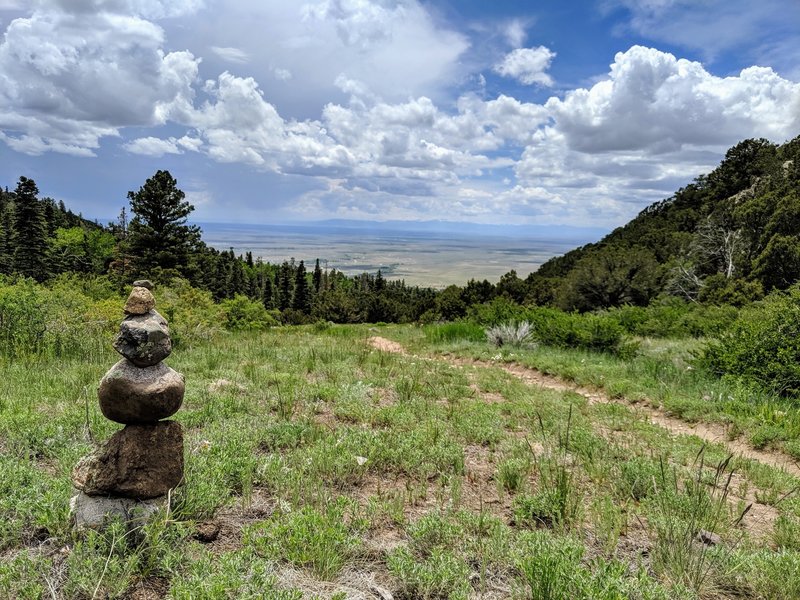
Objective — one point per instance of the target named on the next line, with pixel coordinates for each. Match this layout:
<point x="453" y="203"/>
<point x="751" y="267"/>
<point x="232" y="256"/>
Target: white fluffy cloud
<point x="377" y="137"/>
<point x="148" y="9"/>
<point x="67" y="80"/>
<point x="152" y="146"/>
<point x="527" y="65"/>
<point x="653" y="101"/>
<point x="652" y="124"/>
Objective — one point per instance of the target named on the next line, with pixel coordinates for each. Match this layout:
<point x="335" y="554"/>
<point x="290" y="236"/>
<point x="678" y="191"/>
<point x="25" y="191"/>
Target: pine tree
<point x="316" y="278"/>
<point x="158" y="233"/>
<point x="301" y="300"/>
<point x="30" y="232"/>
<point x="268" y="292"/>
<point x="284" y="286"/>
<point x="7" y="237"/>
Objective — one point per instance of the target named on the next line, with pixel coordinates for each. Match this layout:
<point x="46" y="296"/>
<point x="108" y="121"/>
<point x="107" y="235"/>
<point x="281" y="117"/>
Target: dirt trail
<point x="708" y="432"/>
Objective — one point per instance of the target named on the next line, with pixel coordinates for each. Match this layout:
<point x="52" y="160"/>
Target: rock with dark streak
<point x="144" y="339"/>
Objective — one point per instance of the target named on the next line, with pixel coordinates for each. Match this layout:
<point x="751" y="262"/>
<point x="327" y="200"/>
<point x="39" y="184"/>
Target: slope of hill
<point x="729" y="236"/>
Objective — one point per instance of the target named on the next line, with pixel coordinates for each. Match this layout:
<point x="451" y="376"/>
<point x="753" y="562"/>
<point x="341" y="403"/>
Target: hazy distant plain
<point x="435" y="259"/>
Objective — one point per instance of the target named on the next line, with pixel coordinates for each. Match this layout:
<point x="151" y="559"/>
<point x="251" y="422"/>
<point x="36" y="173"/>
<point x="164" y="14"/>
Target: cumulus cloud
<point x="527" y="65"/>
<point x="653" y="124"/>
<point x="394" y="47"/>
<point x="653" y="101"/>
<point x="67" y="80"/>
<point x="152" y="146"/>
<point x="148" y="9"/>
<point x="379" y="144"/>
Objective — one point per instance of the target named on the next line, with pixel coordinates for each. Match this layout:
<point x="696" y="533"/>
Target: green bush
<point x="451" y="332"/>
<point x="598" y="332"/>
<point x="674" y="318"/>
<point x="60" y="321"/>
<point x="763" y="345"/>
<point x="243" y="314"/>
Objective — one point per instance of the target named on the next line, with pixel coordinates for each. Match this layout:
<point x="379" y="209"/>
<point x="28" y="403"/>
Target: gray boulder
<point x="96" y="512"/>
<point x="132" y="395"/>
<point x="144" y="339"/>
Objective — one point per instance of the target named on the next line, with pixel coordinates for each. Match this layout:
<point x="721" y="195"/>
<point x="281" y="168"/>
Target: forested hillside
<point x="729" y="237"/>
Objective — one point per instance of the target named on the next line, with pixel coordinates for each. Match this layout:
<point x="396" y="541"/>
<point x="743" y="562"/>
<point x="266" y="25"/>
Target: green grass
<point x="329" y="464"/>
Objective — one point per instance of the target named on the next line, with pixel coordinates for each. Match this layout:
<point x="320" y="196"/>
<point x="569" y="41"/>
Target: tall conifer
<point x="30" y="231"/>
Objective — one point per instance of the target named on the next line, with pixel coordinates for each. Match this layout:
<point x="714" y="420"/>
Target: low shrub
<point x="243" y="314"/>
<point x="763" y="345"/>
<point x="452" y="332"/>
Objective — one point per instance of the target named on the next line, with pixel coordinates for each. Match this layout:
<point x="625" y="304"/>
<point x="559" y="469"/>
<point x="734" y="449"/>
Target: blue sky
<point x="509" y="112"/>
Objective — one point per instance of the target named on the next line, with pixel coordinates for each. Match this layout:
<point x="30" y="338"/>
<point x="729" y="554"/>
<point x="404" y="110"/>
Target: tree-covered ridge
<point x="42" y="237"/>
<point x="41" y="240"/>
<point x="729" y="236"/>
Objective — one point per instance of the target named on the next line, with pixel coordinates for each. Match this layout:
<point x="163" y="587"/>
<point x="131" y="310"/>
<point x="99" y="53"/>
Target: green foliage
<point x="763" y="345"/>
<point x="672" y="317"/>
<point x="439" y="575"/>
<point x="322" y="540"/>
<point x="451" y="332"/>
<point x="615" y="277"/>
<point x="30" y="232"/>
<point x="158" y="234"/>
<point x="59" y="321"/>
<point x="243" y="314"/>
<point x="598" y="332"/>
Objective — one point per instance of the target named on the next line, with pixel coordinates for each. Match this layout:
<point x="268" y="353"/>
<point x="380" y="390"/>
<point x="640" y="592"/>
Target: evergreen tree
<point x="158" y="233"/>
<point x="380" y="282"/>
<point x="316" y="278"/>
<point x="30" y="232"/>
<point x="7" y="238"/>
<point x="301" y="300"/>
<point x="284" y="286"/>
<point x="268" y="292"/>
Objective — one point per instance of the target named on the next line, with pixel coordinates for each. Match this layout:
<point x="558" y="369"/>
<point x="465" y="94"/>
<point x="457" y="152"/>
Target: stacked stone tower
<point x="130" y="475"/>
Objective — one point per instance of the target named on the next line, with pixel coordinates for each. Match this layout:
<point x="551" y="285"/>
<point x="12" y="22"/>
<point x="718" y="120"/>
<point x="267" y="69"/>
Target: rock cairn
<point x="130" y="474"/>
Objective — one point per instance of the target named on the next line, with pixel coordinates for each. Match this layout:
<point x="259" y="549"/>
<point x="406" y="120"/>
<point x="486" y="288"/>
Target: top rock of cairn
<point x="140" y="302"/>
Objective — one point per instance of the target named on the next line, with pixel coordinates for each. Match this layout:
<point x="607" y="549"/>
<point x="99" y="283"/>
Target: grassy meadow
<point x="320" y="466"/>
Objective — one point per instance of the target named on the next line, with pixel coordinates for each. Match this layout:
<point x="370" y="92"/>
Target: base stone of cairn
<point x="130" y="475"/>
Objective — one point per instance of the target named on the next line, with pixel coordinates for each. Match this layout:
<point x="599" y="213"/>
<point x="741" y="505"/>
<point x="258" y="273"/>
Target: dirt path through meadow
<point x="708" y="432"/>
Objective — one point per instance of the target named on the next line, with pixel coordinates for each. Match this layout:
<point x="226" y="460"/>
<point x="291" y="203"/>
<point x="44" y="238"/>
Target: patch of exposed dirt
<point x="356" y="584"/>
<point x="230" y="521"/>
<point x="385" y="345"/>
<point x="708" y="432"/>
<point x="152" y="588"/>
